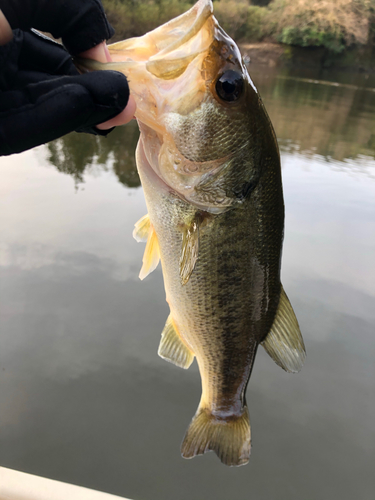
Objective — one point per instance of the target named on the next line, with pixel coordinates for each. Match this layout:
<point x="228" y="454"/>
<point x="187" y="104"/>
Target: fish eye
<point x="229" y="86"/>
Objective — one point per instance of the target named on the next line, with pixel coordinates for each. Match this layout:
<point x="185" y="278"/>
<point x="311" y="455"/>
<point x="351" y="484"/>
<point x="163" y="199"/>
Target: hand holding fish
<point x="42" y="95"/>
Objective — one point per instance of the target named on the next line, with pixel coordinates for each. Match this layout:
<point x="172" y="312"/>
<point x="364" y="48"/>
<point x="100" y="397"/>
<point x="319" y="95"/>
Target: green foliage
<point x="241" y="20"/>
<point x="74" y="154"/>
<point x="333" y="24"/>
<point x="136" y="17"/>
<point x="312" y="37"/>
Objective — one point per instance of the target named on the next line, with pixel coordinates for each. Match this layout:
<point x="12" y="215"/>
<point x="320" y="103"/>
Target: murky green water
<point x="84" y="398"/>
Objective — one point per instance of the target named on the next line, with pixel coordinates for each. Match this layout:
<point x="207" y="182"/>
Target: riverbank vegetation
<point x="333" y="24"/>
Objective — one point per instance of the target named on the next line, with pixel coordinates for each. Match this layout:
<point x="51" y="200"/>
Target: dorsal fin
<point x="284" y="342"/>
<point x="172" y="348"/>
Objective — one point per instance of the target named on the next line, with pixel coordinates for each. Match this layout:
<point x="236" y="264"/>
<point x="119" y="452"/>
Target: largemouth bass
<point x="210" y="169"/>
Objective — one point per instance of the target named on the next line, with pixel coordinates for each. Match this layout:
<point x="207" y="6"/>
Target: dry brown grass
<point x="345" y="19"/>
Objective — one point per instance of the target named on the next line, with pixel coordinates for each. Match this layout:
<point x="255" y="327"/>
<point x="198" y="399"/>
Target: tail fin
<point x="229" y="438"/>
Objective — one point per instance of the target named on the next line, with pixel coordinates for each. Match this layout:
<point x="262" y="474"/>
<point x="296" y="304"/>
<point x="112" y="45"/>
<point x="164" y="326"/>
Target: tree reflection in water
<point x="75" y="154"/>
<point x="334" y="120"/>
<point x="312" y="118"/>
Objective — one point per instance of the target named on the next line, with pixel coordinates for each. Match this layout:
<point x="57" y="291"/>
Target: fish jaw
<point x="155" y="62"/>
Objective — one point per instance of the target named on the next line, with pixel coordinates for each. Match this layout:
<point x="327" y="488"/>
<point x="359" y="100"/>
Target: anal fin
<point x="172" y="348"/>
<point x="284" y="342"/>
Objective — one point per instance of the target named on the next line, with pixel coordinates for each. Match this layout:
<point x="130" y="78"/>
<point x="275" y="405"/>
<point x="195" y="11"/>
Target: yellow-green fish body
<point x="210" y="169"/>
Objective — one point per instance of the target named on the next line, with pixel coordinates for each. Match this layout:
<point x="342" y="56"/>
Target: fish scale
<point x="216" y="320"/>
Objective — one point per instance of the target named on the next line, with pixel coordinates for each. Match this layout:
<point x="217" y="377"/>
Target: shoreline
<point x="277" y="55"/>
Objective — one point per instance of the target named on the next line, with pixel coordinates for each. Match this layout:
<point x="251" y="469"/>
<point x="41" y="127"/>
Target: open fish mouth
<point x="161" y="48"/>
<point x="172" y="72"/>
<point x="154" y="62"/>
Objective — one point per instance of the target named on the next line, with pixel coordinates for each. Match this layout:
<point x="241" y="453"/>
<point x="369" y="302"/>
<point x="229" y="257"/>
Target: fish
<point x="209" y="164"/>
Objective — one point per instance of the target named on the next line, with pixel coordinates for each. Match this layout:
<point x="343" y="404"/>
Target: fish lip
<point x="168" y="37"/>
<point x="203" y="10"/>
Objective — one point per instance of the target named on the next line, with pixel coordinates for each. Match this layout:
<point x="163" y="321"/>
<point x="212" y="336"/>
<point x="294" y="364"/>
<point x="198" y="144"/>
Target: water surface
<point x="84" y="398"/>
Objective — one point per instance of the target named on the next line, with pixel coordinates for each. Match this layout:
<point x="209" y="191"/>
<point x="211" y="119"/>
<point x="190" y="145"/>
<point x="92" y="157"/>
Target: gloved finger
<point x="41" y="53"/>
<point x="124" y="117"/>
<point x="81" y="24"/>
<point x="30" y="58"/>
<point x="45" y="111"/>
<point x="99" y="53"/>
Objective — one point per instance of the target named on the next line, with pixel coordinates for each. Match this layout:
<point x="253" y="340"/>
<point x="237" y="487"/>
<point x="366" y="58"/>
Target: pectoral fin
<point x="142" y="228"/>
<point x="151" y="256"/>
<point x="172" y="348"/>
<point x="284" y="342"/>
<point x="189" y="250"/>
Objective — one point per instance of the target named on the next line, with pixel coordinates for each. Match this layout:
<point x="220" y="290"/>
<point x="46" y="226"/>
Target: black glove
<point x="81" y="24"/>
<point x="42" y="95"/>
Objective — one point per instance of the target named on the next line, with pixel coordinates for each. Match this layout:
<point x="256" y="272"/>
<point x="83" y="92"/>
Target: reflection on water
<point x="84" y="398"/>
<point x="335" y="122"/>
<point x="74" y="154"/>
<point x="329" y="119"/>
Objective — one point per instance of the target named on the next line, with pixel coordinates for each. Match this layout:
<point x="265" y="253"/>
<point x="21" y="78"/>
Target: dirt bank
<point x="281" y="55"/>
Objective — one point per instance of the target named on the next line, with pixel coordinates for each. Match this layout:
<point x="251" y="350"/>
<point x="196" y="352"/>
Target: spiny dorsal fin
<point x="189" y="250"/>
<point x="228" y="437"/>
<point x="172" y="348"/>
<point x="151" y="256"/>
<point x="142" y="228"/>
<point x="284" y="342"/>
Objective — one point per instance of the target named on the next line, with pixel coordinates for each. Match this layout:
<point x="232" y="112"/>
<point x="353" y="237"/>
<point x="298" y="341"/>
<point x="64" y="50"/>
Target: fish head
<point x="197" y="108"/>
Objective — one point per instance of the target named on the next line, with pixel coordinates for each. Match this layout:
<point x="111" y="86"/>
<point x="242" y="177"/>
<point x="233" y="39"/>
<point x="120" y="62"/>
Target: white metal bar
<point x="15" y="485"/>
